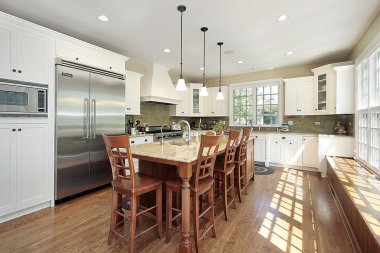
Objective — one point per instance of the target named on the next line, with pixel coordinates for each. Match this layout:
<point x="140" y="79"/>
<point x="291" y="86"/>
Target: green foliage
<point x="219" y="126"/>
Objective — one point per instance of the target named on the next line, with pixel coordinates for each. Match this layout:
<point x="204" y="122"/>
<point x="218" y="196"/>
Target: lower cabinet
<point x="139" y="140"/>
<point x="24" y="168"/>
<point x="310" y="151"/>
<point x="284" y="149"/>
<point x="260" y="148"/>
<point x="250" y="160"/>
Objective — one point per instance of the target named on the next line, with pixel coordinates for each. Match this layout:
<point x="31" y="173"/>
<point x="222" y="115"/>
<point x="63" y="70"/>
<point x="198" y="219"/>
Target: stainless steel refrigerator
<point x="89" y="102"/>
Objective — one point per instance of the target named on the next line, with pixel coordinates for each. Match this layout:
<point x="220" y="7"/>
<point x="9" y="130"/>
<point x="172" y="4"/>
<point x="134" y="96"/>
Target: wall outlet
<point x="290" y="122"/>
<point x="317" y="123"/>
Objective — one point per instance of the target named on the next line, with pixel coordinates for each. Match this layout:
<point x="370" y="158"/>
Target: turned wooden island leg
<point x="185" y="172"/>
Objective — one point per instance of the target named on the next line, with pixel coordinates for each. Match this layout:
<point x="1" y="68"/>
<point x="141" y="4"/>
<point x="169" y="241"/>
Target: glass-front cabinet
<point x="196" y="101"/>
<point x="323" y="90"/>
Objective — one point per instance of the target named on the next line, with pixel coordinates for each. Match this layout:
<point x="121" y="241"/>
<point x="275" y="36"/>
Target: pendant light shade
<point x="220" y="96"/>
<point x="204" y="92"/>
<point x="181" y="85"/>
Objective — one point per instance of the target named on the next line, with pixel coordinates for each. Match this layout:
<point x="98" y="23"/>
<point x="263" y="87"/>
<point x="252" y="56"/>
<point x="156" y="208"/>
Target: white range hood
<point x="157" y="87"/>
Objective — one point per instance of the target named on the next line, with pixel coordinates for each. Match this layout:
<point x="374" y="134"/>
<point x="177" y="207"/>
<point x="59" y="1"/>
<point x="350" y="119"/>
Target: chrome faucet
<point x="162" y="134"/>
<point x="188" y="139"/>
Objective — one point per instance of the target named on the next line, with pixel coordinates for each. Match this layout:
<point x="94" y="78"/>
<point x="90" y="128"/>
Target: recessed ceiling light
<point x="289" y="53"/>
<point x="103" y="18"/>
<point x="166" y="50"/>
<point x="229" y="52"/>
<point x="282" y="18"/>
<point x="270" y="68"/>
<point x="240" y="62"/>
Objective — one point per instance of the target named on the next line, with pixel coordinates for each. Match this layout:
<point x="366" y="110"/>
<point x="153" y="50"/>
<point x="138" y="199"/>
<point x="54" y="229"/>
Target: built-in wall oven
<point x="22" y="99"/>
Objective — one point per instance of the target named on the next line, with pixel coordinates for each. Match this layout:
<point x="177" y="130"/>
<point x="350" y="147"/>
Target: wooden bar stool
<point x="224" y="170"/>
<point x="201" y="182"/>
<point x="127" y="182"/>
<point x="241" y="163"/>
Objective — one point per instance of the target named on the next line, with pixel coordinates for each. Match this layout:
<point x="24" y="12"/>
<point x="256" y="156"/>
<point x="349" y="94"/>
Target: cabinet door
<point x="209" y="103"/>
<point x="7" y="168"/>
<point x="289" y="152"/>
<point x="322" y="92"/>
<point x="132" y="93"/>
<point x="32" y="57"/>
<point x="8" y="46"/>
<point x="291" y="99"/>
<point x="31" y="164"/>
<point x="259" y="150"/>
<point x="310" y="151"/>
<point x="275" y="151"/>
<point x="196" y="101"/>
<point x="183" y="108"/>
<point x="304" y="98"/>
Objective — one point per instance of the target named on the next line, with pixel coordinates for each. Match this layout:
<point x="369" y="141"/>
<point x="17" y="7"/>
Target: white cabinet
<point x="333" y="89"/>
<point x="88" y="56"/>
<point x="132" y="93"/>
<point x="284" y="149"/>
<point x="139" y="140"/>
<point x="24" y="176"/>
<point x="213" y="107"/>
<point x="260" y="146"/>
<point x="196" y="101"/>
<point x="23" y="55"/>
<point x="310" y="151"/>
<point x="298" y="96"/>
<point x="183" y="108"/>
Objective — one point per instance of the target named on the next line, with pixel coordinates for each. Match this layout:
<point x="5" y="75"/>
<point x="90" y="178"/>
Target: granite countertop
<point x="170" y="151"/>
<point x="139" y="135"/>
<point x="303" y="134"/>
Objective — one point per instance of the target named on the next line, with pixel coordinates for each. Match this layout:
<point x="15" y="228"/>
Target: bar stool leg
<point x="224" y="195"/>
<point x="159" y="211"/>
<point x="196" y="220"/>
<point x="169" y="200"/>
<point x="132" y="235"/>
<point x="232" y="180"/>
<point x="239" y="183"/>
<point x="113" y="216"/>
<point x="245" y="183"/>
<point x="212" y="210"/>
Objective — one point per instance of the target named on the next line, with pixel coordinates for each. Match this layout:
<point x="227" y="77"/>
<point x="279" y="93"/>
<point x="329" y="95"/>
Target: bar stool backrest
<point x="120" y="156"/>
<point x="206" y="157"/>
<point x="242" y="150"/>
<point x="232" y="144"/>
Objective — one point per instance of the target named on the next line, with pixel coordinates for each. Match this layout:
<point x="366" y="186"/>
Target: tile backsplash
<point x="158" y="114"/>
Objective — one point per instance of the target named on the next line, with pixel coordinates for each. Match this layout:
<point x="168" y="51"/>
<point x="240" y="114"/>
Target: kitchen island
<point x="172" y="159"/>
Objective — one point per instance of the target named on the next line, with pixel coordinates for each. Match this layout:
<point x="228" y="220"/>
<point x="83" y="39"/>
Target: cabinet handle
<point x="276" y="142"/>
<point x="110" y="67"/>
<point x="132" y="142"/>
<point x="19" y="71"/>
<point x="316" y="109"/>
<point x="183" y="112"/>
<point x="13" y="70"/>
<point x="146" y="140"/>
<point x="19" y="129"/>
<point x="283" y="137"/>
<point x="290" y="143"/>
<point x="77" y="58"/>
<point x="13" y="129"/>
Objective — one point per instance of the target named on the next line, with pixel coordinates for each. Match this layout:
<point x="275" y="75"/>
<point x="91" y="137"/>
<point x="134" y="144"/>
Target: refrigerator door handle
<point x="86" y="118"/>
<point x="93" y="118"/>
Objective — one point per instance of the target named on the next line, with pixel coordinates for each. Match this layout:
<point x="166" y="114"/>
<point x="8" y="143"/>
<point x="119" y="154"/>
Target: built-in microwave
<point x="23" y="99"/>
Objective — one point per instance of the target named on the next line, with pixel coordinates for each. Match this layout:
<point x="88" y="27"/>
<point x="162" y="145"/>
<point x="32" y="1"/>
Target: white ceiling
<point x="315" y="31"/>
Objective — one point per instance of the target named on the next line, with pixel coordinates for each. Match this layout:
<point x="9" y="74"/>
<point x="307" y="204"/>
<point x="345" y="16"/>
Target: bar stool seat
<point x="143" y="184"/>
<point x="203" y="185"/>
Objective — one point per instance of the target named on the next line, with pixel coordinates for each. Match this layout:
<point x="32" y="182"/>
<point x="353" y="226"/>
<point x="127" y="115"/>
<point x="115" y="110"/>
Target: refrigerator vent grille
<point x="75" y="65"/>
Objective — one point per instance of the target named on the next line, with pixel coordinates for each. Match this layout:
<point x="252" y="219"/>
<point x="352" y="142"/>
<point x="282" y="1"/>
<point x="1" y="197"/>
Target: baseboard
<point x="23" y="212"/>
<point x="297" y="167"/>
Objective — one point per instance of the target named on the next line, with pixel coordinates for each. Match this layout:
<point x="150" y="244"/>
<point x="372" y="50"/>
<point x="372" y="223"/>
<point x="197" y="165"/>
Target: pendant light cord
<point x="204" y="57"/>
<point x="181" y="46"/>
<point x="220" y="67"/>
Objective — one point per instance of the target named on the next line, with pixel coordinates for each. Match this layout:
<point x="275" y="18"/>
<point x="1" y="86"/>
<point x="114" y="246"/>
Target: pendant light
<point x="220" y="96"/>
<point x="181" y="85"/>
<point x="204" y="92"/>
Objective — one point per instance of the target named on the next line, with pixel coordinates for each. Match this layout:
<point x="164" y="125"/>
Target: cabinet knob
<point x="19" y="129"/>
<point x="276" y="142"/>
<point x="77" y="58"/>
<point x="110" y="67"/>
<point x="146" y="140"/>
<point x="13" y="129"/>
<point x="290" y="143"/>
<point x="316" y="109"/>
<point x="132" y="141"/>
<point x="19" y="71"/>
<point x="13" y="70"/>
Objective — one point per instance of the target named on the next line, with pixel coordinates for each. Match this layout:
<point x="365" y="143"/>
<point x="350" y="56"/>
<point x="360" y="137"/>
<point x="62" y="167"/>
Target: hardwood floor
<point x="288" y="211"/>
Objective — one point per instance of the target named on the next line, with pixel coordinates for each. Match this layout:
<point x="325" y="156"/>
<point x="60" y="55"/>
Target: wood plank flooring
<point x="288" y="211"/>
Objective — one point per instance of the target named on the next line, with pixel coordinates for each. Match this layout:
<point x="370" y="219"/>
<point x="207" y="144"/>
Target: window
<point x="368" y="111"/>
<point x="256" y="103"/>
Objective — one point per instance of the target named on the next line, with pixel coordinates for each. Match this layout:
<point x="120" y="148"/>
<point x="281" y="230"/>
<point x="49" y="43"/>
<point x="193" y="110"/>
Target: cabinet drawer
<point x="141" y="140"/>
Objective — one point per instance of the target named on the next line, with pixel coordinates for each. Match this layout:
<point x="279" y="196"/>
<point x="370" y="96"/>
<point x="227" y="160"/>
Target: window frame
<point x="254" y="85"/>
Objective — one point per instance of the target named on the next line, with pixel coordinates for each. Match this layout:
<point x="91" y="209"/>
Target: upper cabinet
<point x="23" y="55"/>
<point x="183" y="108"/>
<point x="89" y="56"/>
<point x="334" y="89"/>
<point x="132" y="92"/>
<point x="213" y="107"/>
<point x="298" y="94"/>
<point x="196" y="101"/>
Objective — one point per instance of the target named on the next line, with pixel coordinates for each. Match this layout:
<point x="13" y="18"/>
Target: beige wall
<point x="368" y="35"/>
<point x="135" y="66"/>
